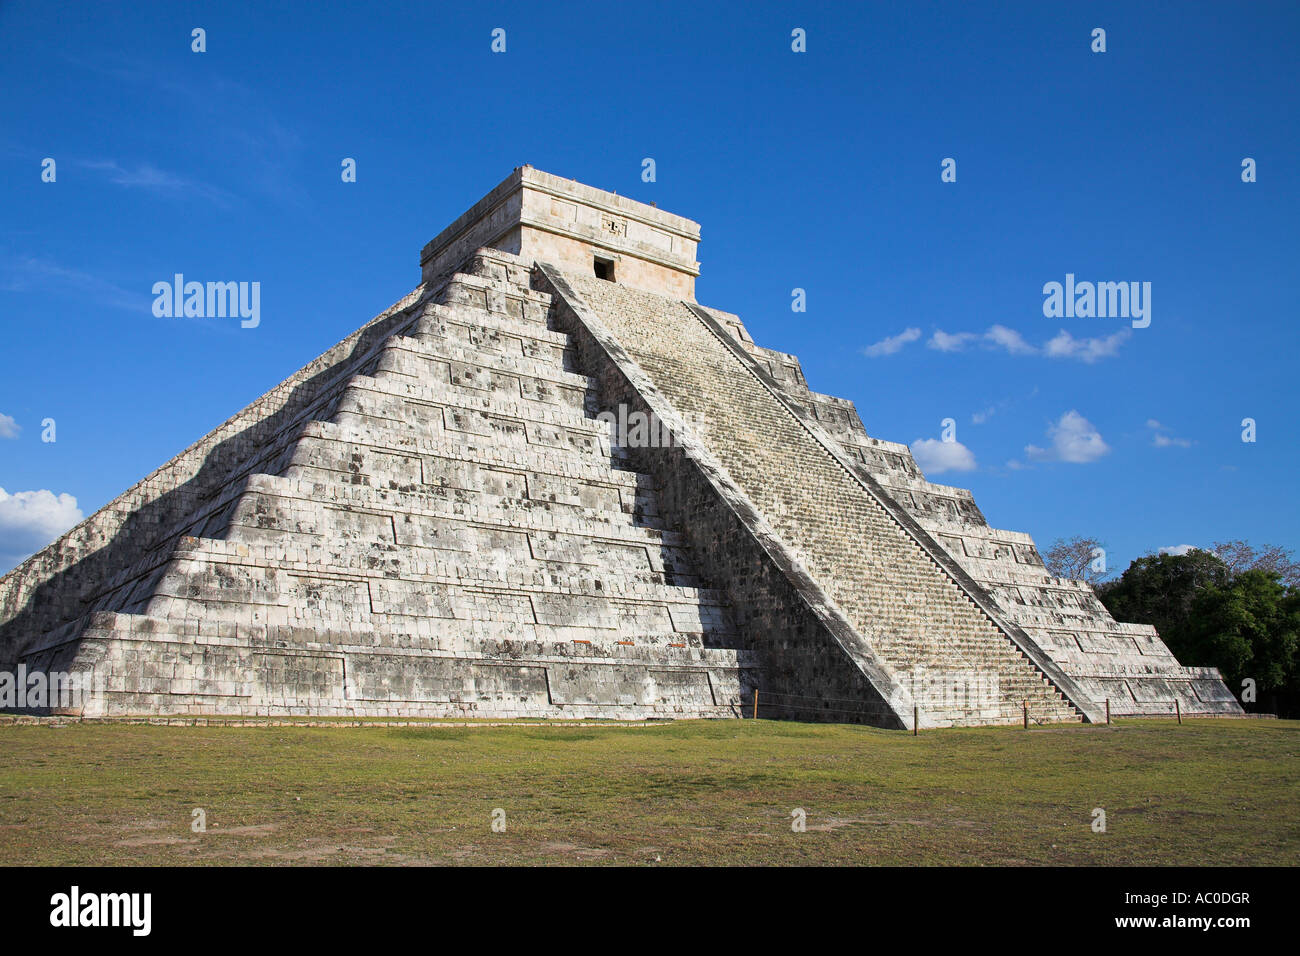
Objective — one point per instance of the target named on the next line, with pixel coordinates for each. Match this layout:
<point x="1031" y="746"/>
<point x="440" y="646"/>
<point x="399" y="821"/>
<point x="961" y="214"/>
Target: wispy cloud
<point x="1073" y="439"/>
<point x="1004" y="339"/>
<point x="262" y="152"/>
<point x="34" y="274"/>
<point x="984" y="414"/>
<point x="160" y="182"/>
<point x="9" y="427"/>
<point x="1008" y="340"/>
<point x="943" y="341"/>
<point x="1161" y="438"/>
<point x="1064" y="345"/>
<point x="892" y="343"/>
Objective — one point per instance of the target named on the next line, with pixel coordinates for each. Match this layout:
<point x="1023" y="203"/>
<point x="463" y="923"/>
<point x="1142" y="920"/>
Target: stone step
<point x="219" y="580"/>
<point x="474" y="504"/>
<point x="493" y="539"/>
<point x="537" y="328"/>
<point x="1092" y="628"/>
<point x="498" y="298"/>
<point x="281" y="449"/>
<point x="473" y="278"/>
<point x="413" y="563"/>
<point x="543" y="555"/>
<point x="313" y="508"/>
<point x="426" y="357"/>
<point x="342" y="452"/>
<point x="492" y="333"/>
<point x="504" y="267"/>
<point x="498" y="639"/>
<point x="406" y="403"/>
<point x="206" y="667"/>
<point x="1056" y="618"/>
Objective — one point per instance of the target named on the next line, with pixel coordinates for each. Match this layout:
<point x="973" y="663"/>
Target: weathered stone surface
<point x="1126" y="665"/>
<point x="543" y="218"/>
<point x="444" y="531"/>
<point x="903" y="612"/>
<point x="429" y="520"/>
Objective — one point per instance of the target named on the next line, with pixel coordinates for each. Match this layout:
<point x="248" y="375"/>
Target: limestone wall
<point x="541" y="217"/>
<point x="72" y="576"/>
<point x="444" y="531"/>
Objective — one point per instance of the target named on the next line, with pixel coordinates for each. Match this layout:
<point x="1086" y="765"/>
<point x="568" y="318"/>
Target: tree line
<point x="1233" y="606"/>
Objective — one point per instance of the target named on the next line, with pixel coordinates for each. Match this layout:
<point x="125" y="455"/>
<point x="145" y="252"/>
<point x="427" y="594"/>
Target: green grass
<point x="717" y="792"/>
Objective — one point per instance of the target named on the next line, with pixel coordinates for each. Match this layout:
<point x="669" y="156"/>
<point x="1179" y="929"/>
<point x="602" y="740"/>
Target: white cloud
<point x="1008" y="340"/>
<point x="29" y="520"/>
<point x="999" y="336"/>
<point x="1074" y="439"/>
<point x="892" y="343"/>
<point x="935" y="457"/>
<point x="942" y="341"/>
<point x="1179" y="549"/>
<point x="1065" y="345"/>
<point x="9" y="428"/>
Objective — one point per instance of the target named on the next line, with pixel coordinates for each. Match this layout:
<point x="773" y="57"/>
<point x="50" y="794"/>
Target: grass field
<point x="719" y="792"/>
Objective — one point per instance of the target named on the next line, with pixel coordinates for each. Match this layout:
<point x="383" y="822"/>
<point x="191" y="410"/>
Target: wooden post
<point x="1026" y="705"/>
<point x="916" y="719"/>
<point x="1178" y="710"/>
<point x="1107" y="711"/>
<point x="756" y="703"/>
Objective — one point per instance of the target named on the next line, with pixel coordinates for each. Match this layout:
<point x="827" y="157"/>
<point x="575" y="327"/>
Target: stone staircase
<point x="909" y="614"/>
<point x="1126" y="665"/>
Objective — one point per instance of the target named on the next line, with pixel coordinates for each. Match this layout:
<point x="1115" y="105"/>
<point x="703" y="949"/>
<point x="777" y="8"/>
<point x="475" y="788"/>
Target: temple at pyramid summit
<point x="437" y="518"/>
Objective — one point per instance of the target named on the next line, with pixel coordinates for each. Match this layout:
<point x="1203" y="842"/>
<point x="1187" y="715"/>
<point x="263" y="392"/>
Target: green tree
<point x="1159" y="590"/>
<point x="1249" y="628"/>
<point x="1245" y="622"/>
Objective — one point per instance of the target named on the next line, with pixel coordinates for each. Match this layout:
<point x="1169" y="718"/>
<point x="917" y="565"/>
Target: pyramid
<point x="548" y="483"/>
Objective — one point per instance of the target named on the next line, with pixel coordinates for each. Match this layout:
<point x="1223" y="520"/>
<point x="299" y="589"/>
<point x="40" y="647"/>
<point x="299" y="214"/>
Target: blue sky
<point x="817" y="170"/>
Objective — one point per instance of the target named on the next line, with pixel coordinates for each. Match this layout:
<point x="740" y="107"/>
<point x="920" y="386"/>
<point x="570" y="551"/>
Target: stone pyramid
<point x="447" y="514"/>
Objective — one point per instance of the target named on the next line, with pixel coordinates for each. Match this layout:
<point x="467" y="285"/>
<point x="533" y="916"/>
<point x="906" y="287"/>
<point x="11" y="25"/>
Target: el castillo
<point x="435" y="519"/>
